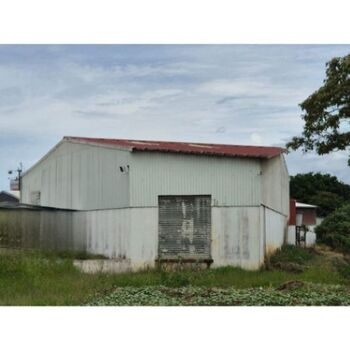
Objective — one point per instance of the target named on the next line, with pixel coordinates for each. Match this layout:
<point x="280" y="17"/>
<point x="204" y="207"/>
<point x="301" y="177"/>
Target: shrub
<point x="290" y="258"/>
<point x="334" y="230"/>
<point x="292" y="254"/>
<point x="343" y="266"/>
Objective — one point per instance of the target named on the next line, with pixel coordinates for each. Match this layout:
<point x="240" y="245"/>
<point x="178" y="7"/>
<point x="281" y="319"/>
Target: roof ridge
<point x="166" y="141"/>
<point x="228" y="150"/>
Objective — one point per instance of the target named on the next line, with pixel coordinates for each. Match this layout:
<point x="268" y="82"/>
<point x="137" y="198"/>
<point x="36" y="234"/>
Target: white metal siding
<point x="275" y="229"/>
<point x="108" y="232"/>
<point x="79" y="176"/>
<point x="230" y="181"/>
<point x="40" y="229"/>
<point x="131" y="235"/>
<point x="275" y="184"/>
<point x="128" y="235"/>
<point x="236" y="237"/>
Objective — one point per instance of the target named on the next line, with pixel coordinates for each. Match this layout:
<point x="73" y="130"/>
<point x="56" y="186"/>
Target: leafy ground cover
<point x="307" y="295"/>
<point x="292" y="276"/>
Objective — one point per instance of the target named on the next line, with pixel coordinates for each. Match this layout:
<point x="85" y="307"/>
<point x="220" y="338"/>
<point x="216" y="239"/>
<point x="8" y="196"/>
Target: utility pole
<point x="19" y="171"/>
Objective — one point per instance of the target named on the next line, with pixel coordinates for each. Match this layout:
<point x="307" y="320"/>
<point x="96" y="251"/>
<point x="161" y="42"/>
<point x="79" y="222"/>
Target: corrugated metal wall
<point x="275" y="184"/>
<point x="39" y="229"/>
<point x="239" y="235"/>
<point x="230" y="181"/>
<point x="275" y="229"/>
<point x="85" y="177"/>
<point x="78" y="176"/>
<point x="128" y="235"/>
<point x="184" y="227"/>
<point x="236" y="237"/>
<point x="108" y="232"/>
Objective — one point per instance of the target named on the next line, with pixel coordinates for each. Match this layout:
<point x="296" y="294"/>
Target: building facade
<point x="144" y="201"/>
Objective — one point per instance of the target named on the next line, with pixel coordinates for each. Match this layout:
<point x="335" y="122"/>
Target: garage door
<point x="184" y="227"/>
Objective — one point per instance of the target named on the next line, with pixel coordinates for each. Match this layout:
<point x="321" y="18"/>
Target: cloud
<point x="334" y="163"/>
<point x="236" y="98"/>
<point x="221" y="129"/>
<point x="255" y="138"/>
<point x="208" y="93"/>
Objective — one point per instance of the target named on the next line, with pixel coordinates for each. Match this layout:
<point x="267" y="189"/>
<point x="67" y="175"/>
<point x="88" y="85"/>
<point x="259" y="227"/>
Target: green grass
<point x="29" y="278"/>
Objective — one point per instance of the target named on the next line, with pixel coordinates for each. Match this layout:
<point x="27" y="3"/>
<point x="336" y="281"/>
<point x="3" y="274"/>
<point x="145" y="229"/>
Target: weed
<point x="31" y="278"/>
<point x="293" y="254"/>
<point x="174" y="279"/>
<point x="343" y="267"/>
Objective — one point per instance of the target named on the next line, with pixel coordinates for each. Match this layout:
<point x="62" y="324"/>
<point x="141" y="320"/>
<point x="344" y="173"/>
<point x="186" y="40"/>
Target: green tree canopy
<point x="323" y="190"/>
<point x="335" y="229"/>
<point x="326" y="112"/>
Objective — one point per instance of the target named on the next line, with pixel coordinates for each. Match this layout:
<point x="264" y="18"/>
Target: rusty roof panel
<point x="185" y="147"/>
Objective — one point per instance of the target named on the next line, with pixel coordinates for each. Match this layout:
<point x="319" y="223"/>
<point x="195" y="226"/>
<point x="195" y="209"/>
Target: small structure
<point x="144" y="202"/>
<point x="302" y="223"/>
<point x="8" y="197"/>
<point x="309" y="214"/>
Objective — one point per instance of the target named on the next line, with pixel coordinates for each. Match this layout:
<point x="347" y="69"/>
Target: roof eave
<point x="138" y="149"/>
<point x="103" y="145"/>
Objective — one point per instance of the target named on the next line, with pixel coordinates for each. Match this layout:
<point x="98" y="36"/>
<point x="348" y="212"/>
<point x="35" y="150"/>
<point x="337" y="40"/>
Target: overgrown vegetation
<point x="28" y="278"/>
<point x="290" y="258"/>
<point x="323" y="190"/>
<point x="335" y="229"/>
<point x="293" y="254"/>
<point x="308" y="294"/>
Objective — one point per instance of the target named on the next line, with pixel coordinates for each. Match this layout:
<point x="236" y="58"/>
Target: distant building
<point x="147" y="201"/>
<point x="9" y="197"/>
<point x="307" y="216"/>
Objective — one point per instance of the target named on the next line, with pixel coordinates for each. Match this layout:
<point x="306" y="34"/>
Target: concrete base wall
<point x="100" y="265"/>
<point x="240" y="235"/>
<point x="275" y="229"/>
<point x="236" y="237"/>
<point x="107" y="232"/>
<point x="129" y="236"/>
<point x="132" y="234"/>
<point x="143" y="237"/>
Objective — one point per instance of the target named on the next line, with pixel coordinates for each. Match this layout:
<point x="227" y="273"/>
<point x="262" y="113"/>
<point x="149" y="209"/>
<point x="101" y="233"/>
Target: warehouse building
<point x="140" y="202"/>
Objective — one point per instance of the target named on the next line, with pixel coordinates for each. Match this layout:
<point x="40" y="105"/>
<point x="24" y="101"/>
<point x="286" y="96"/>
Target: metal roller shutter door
<point x="184" y="227"/>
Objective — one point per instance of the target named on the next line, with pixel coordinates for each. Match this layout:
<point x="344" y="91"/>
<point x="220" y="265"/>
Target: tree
<point x="327" y="202"/>
<point x="327" y="112"/>
<point x="323" y="190"/>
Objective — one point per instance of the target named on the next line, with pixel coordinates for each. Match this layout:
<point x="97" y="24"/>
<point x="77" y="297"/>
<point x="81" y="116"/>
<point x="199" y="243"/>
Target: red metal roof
<point x="185" y="147"/>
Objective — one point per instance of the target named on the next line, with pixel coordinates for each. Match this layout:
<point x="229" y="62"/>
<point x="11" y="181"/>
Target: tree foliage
<point x="335" y="229"/>
<point x="326" y="112"/>
<point x="323" y="190"/>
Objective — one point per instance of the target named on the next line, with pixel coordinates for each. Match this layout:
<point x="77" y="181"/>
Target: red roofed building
<point x="305" y="216"/>
<point x="147" y="201"/>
